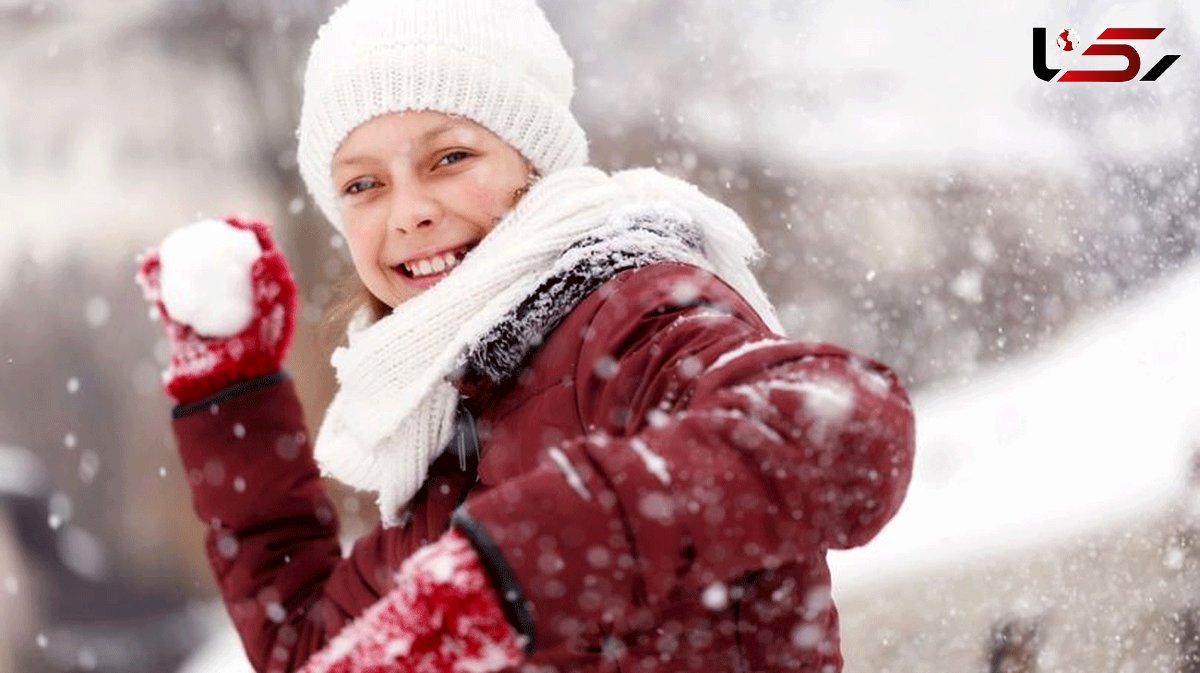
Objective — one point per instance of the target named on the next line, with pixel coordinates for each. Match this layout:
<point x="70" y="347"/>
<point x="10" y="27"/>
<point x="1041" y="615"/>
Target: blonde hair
<point x="350" y="295"/>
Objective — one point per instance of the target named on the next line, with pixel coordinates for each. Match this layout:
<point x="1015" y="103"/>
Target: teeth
<point x="435" y="264"/>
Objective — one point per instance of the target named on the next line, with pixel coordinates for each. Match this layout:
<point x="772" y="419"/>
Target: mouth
<point x="425" y="279"/>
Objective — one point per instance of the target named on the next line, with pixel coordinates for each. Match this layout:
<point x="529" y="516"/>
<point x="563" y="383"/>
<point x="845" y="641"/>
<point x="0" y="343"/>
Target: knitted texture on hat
<point x="496" y="62"/>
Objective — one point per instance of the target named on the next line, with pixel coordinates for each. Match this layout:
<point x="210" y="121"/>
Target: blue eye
<point x="356" y="186"/>
<point x="457" y="153"/>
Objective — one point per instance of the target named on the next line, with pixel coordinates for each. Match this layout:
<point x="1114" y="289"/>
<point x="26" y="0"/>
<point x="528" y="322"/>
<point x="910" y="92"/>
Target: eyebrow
<point x="424" y="137"/>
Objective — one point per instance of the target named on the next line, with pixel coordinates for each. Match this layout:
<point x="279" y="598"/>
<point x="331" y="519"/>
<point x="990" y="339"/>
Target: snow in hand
<point x="442" y="617"/>
<point x="227" y="300"/>
<point x="205" y="278"/>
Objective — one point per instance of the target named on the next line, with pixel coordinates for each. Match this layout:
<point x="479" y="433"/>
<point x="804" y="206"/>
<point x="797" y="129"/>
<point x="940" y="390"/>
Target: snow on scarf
<point x="394" y="410"/>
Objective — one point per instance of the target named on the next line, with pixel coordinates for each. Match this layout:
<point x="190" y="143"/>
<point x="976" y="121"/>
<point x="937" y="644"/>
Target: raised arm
<point x="226" y="300"/>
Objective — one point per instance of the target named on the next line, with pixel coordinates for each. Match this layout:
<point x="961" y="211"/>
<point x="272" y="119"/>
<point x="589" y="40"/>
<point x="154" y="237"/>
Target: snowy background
<point x="1024" y="254"/>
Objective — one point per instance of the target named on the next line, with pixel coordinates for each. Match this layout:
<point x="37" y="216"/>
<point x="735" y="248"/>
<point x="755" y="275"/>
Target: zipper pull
<point x="474" y="438"/>
<point x="459" y="431"/>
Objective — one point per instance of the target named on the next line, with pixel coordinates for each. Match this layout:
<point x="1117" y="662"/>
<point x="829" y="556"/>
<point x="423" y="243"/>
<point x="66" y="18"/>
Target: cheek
<point x="362" y="248"/>
<point x="487" y="194"/>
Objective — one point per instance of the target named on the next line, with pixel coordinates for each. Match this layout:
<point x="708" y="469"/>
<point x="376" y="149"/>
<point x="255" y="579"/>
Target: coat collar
<point x="475" y="389"/>
<point x="501" y="352"/>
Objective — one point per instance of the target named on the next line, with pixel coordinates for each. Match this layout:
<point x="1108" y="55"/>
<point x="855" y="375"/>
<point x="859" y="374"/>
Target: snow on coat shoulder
<point x="206" y="280"/>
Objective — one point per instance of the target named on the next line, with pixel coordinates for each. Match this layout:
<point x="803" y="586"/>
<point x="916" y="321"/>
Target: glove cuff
<point x="510" y="597"/>
<point x="185" y="389"/>
<point x="229" y="392"/>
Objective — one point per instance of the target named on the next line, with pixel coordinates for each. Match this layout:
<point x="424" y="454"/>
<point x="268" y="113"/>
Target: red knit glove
<point x="203" y="364"/>
<point x="442" y="617"/>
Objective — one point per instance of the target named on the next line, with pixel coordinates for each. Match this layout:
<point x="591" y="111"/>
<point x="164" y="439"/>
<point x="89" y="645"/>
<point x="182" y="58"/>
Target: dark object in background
<point x="86" y="620"/>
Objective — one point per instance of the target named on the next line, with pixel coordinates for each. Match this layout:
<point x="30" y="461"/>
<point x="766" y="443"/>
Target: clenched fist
<point x="442" y="616"/>
<point x="227" y="301"/>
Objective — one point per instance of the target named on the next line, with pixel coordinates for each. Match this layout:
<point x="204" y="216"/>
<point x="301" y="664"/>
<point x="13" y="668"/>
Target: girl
<point x="593" y="448"/>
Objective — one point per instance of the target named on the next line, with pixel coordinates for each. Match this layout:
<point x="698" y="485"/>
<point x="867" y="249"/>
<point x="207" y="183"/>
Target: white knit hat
<point x="496" y="62"/>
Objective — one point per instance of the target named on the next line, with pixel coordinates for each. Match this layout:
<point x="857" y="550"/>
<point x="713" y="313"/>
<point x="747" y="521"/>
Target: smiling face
<point x="416" y="190"/>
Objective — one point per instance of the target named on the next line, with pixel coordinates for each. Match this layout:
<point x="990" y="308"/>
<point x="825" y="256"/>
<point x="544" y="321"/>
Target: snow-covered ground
<point x="1097" y="429"/>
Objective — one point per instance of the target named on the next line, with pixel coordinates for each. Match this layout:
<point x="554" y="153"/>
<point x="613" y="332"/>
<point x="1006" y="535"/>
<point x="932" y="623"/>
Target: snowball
<point x="276" y="612"/>
<point x="97" y="311"/>
<point x="89" y="465"/>
<point x="807" y="636"/>
<point x="83" y="553"/>
<point x="605" y="367"/>
<point x="205" y="277"/>
<point x="658" y="507"/>
<point x="61" y="508"/>
<point x="715" y="596"/>
<point x="227" y="546"/>
<point x="968" y="285"/>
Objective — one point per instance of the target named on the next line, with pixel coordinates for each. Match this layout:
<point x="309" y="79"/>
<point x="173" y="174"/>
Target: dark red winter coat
<point x="657" y="491"/>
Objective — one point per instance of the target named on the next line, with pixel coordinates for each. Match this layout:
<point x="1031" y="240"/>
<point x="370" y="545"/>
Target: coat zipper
<point x="465" y="433"/>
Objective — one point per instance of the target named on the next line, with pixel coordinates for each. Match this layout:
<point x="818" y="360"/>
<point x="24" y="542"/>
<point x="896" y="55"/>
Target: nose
<point x="412" y="207"/>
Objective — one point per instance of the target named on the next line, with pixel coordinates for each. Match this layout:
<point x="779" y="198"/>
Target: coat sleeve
<point x="271" y="532"/>
<point x="714" y="447"/>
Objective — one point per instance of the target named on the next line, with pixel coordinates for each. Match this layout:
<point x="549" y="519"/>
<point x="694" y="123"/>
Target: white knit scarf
<point x="394" y="411"/>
